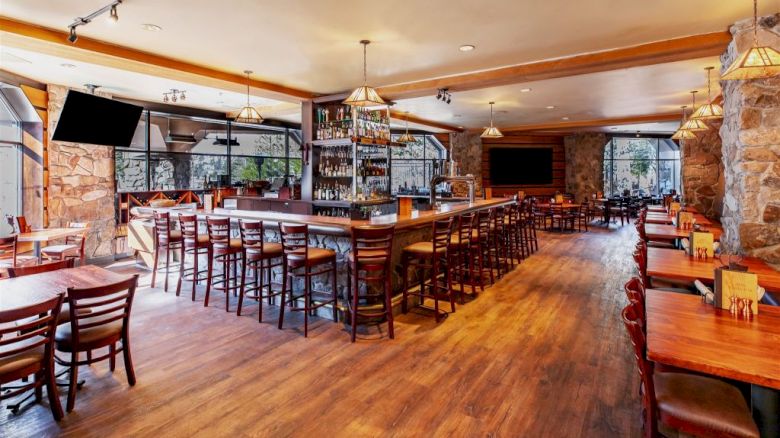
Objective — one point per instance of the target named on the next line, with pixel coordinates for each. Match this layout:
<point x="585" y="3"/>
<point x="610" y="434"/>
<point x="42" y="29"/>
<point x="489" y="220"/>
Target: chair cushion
<point x="176" y="236"/>
<point x="269" y="249"/>
<point x="424" y="248"/>
<point x="19" y="361"/>
<point x="60" y="250"/>
<point x="64" y="336"/>
<point x="369" y="256"/>
<point x="710" y="406"/>
<point x="314" y="255"/>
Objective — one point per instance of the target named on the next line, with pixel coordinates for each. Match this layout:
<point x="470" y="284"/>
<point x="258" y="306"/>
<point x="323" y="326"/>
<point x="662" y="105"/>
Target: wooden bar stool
<point x="195" y="244"/>
<point x="459" y="253"/>
<point x="370" y="261"/>
<point x="497" y="245"/>
<point x="227" y="252"/>
<point x="258" y="257"/>
<point x="430" y="256"/>
<point x="482" y="247"/>
<point x="512" y="235"/>
<point x="73" y="248"/>
<point x="165" y="239"/>
<point x="299" y="255"/>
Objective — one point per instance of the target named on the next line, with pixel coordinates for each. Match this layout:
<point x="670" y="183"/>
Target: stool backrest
<point x="442" y="229"/>
<point x="8" y="248"/>
<point x="252" y="234"/>
<point x="21" y="271"/>
<point x="372" y="246"/>
<point x="635" y="291"/>
<point x="162" y="226"/>
<point x="100" y="306"/>
<point x="219" y="231"/>
<point x="21" y="224"/>
<point x="465" y="226"/>
<point x="295" y="238"/>
<point x="189" y="226"/>
<point x="632" y="319"/>
<point x="483" y="224"/>
<point x="81" y="238"/>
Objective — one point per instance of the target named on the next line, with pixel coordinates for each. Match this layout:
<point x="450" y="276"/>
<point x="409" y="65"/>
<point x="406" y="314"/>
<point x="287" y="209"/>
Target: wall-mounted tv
<point x="86" y="118"/>
<point x="521" y="166"/>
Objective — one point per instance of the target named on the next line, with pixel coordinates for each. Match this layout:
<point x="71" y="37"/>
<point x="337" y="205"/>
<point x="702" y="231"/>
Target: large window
<point x="413" y="166"/>
<point x="10" y="162"/>
<point x="171" y="152"/>
<point x="641" y="166"/>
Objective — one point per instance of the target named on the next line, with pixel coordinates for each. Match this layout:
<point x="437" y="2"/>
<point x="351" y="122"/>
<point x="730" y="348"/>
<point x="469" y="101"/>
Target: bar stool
<point x="497" y="245"/>
<point x="512" y="235"/>
<point x="482" y="247"/>
<point x="430" y="255"/>
<point x="226" y="251"/>
<point x="530" y="226"/>
<point x="371" y="254"/>
<point x="165" y="239"/>
<point x="298" y="254"/>
<point x="459" y="253"/>
<point x="72" y="249"/>
<point x="195" y="244"/>
<point x="258" y="257"/>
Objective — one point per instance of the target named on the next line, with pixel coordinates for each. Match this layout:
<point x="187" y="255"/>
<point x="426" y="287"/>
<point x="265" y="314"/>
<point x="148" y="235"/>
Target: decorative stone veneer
<point x="467" y="149"/>
<point x="703" y="176"/>
<point x="585" y="164"/>
<point x="81" y="184"/>
<point x="751" y="151"/>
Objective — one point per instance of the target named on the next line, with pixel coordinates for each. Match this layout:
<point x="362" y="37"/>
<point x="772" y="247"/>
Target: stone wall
<point x="585" y="164"/>
<point x="467" y="150"/>
<point x="81" y="184"/>
<point x="703" y="179"/>
<point x="751" y="151"/>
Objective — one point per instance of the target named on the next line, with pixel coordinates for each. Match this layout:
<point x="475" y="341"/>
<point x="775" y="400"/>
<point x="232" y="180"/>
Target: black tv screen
<point x="96" y="120"/>
<point x="521" y="166"/>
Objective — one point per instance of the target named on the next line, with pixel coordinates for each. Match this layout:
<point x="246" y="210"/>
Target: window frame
<point x="676" y="165"/>
<point x="426" y="162"/>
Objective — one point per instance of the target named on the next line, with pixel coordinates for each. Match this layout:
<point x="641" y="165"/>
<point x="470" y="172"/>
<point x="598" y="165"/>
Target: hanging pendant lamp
<point x="757" y="62"/>
<point x="708" y="111"/>
<point x="406" y="137"/>
<point x="491" y="131"/>
<point x="364" y="95"/>
<point x="248" y="114"/>
<point x="694" y="125"/>
<point x="683" y="134"/>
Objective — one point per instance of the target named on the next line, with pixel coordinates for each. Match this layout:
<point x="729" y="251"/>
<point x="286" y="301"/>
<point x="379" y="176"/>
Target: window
<point x="414" y="165"/>
<point x="10" y="162"/>
<point x="170" y="152"/>
<point x="641" y="166"/>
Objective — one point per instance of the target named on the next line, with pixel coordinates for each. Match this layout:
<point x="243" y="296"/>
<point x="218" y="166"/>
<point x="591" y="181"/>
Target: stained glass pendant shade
<point x="491" y="131"/>
<point x="248" y="114"/>
<point x="758" y="62"/>
<point x="364" y="95"/>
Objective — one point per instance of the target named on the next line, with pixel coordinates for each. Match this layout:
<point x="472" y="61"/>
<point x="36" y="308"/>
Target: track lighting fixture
<point x="444" y="95"/>
<point x="113" y="16"/>
<point x="174" y="95"/>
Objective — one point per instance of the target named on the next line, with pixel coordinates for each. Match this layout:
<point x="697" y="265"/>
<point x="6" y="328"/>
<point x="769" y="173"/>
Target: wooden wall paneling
<point x="39" y="98"/>
<point x="520" y="140"/>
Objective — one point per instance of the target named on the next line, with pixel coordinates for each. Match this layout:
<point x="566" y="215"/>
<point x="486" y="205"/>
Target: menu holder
<point x="701" y="245"/>
<point x="735" y="289"/>
<point x="685" y="220"/>
<point x="674" y="207"/>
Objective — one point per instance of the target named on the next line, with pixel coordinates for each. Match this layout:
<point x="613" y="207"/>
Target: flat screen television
<point x="521" y="166"/>
<point x="86" y="118"/>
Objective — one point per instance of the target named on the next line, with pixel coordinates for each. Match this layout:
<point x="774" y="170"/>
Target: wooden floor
<point x="540" y="354"/>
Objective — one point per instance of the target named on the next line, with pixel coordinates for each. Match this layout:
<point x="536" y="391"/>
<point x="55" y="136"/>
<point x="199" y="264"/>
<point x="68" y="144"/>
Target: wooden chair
<point x="370" y="261"/>
<point x="430" y="256"/>
<point x="27" y="348"/>
<point x="481" y="246"/>
<point x="21" y="271"/>
<point x="99" y="318"/>
<point x="9" y="255"/>
<point x="165" y="239"/>
<point x="691" y="404"/>
<point x="73" y="247"/>
<point x="619" y="208"/>
<point x="194" y="244"/>
<point x="582" y="217"/>
<point x="459" y="253"/>
<point x="498" y="247"/>
<point x="227" y="251"/>
<point x="298" y="255"/>
<point x="258" y="256"/>
<point x="21" y="225"/>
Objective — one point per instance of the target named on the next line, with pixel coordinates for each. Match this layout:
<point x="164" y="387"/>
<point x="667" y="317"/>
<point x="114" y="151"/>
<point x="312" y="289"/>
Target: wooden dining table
<point x="684" y="332"/>
<point x="677" y="264"/>
<point x="663" y="218"/>
<point x="46" y="235"/>
<point x="565" y="205"/>
<point x="30" y="289"/>
<point x="671" y="232"/>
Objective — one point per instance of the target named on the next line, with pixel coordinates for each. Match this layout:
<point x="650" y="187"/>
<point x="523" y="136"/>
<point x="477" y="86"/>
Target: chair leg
<point x="154" y="268"/>
<point x="194" y="272"/>
<point x="181" y="270"/>
<point x="283" y="295"/>
<point x="259" y="285"/>
<point x="355" y="288"/>
<point x="112" y="357"/>
<point x="435" y="287"/>
<point x="74" y="375"/>
<point x="405" y="278"/>
<point x="128" y="360"/>
<point x="335" y="294"/>
<point x="306" y="300"/>
<point x="167" y="266"/>
<point x="226" y="271"/>
<point x="389" y="304"/>
<point x="209" y="276"/>
<point x="52" y="393"/>
<point x="242" y="290"/>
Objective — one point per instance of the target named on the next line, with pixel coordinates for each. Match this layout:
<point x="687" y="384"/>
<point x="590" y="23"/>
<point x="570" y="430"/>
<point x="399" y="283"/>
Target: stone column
<point x="703" y="179"/>
<point x="751" y="151"/>
<point x="585" y="164"/>
<point x="467" y="150"/>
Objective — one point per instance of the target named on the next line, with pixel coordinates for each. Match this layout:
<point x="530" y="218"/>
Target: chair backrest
<point x="101" y="305"/>
<point x="21" y="224"/>
<point x="465" y="226"/>
<point x="633" y="321"/>
<point x="21" y="271"/>
<point x="635" y="291"/>
<point x="80" y="238"/>
<point x="483" y="224"/>
<point x="252" y="234"/>
<point x="8" y="249"/>
<point x="442" y="230"/>
<point x="189" y="226"/>
<point x="219" y="231"/>
<point x="372" y="246"/>
<point x="162" y="226"/>
<point x="498" y="218"/>
<point x="295" y="238"/>
<point x="641" y="266"/>
<point x="27" y="329"/>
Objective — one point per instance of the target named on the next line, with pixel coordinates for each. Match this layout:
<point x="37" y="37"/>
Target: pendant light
<point x="683" y="134"/>
<point x="406" y="137"/>
<point x="248" y="114"/>
<point x="694" y="125"/>
<point x="708" y="111"/>
<point x="492" y="131"/>
<point x="757" y="62"/>
<point x="364" y="95"/>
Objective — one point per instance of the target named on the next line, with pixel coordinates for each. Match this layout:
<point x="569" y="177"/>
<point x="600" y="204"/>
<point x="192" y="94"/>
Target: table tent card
<point x="732" y="286"/>
<point x="704" y="242"/>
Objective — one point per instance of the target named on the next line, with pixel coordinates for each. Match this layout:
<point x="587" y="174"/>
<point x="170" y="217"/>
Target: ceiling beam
<point x="630" y="120"/>
<point x="678" y="49"/>
<point x="61" y="37"/>
<point x="399" y="115"/>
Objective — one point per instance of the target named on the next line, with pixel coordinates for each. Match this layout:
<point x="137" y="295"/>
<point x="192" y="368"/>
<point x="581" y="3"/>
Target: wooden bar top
<point x="342" y="226"/>
<point x="683" y="331"/>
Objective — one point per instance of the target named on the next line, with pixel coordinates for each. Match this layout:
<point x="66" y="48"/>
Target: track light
<point x="174" y="95"/>
<point x="113" y="17"/>
<point x="444" y="95"/>
<point x="73" y="37"/>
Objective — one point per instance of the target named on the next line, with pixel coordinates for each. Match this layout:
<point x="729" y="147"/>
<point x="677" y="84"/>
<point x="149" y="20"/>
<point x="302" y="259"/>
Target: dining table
<point x="671" y="232"/>
<point x="663" y="218"/>
<point x="30" y="289"/>
<point x="46" y="235"/>
<point x="677" y="264"/>
<point x="685" y="332"/>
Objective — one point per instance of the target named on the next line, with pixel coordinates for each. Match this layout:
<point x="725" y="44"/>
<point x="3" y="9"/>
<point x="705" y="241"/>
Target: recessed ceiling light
<point x="550" y="107"/>
<point x="564" y="118"/>
<point x="466" y="47"/>
<point x="67" y="65"/>
<point x="460" y="127"/>
<point x="525" y="90"/>
<point x="151" y="27"/>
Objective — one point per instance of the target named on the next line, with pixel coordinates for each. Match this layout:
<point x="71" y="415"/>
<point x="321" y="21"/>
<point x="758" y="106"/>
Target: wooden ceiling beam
<point x="563" y="125"/>
<point x="659" y="52"/>
<point x="399" y="115"/>
<point x="61" y="37"/>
